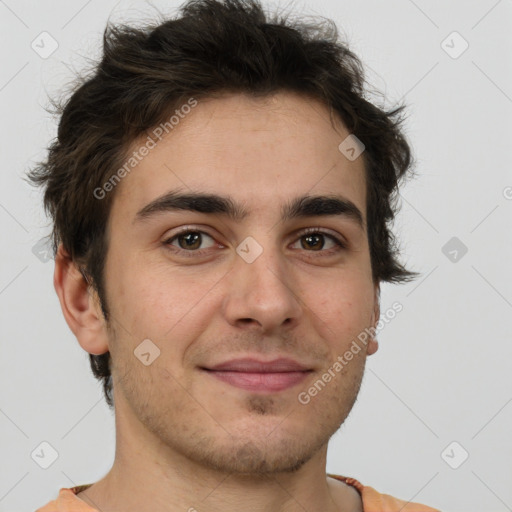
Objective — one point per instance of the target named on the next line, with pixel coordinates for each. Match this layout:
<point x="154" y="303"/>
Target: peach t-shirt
<point x="373" y="501"/>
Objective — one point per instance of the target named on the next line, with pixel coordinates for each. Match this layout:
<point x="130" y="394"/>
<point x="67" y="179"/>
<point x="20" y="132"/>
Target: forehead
<point x="263" y="151"/>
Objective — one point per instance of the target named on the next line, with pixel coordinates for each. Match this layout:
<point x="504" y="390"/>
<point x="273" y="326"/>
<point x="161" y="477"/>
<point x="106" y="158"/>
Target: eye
<point x="191" y="240"/>
<point x="318" y="241"/>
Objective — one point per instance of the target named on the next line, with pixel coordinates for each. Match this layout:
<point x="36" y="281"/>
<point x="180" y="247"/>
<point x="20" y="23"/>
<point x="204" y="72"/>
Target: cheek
<point x="341" y="308"/>
<point x="161" y="302"/>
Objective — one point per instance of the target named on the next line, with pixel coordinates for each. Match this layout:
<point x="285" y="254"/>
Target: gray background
<point x="443" y="370"/>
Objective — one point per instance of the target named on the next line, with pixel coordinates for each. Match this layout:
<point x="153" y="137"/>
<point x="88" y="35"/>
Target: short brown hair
<point x="213" y="47"/>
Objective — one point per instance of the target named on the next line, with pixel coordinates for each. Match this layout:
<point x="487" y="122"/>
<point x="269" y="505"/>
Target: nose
<point x="260" y="295"/>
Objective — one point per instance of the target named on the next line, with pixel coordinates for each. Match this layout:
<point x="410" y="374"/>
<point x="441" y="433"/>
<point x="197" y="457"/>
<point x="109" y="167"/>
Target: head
<point x="242" y="117"/>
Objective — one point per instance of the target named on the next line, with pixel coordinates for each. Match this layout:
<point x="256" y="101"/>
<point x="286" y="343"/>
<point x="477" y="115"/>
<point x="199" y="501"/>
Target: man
<point x="220" y="191"/>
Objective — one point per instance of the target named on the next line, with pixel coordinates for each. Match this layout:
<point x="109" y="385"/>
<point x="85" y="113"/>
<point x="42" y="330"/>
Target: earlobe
<point x="80" y="305"/>
<point x="373" y="344"/>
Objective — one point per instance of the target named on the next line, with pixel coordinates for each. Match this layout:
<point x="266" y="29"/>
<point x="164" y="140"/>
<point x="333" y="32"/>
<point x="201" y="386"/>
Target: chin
<point x="253" y="458"/>
<point x="260" y="445"/>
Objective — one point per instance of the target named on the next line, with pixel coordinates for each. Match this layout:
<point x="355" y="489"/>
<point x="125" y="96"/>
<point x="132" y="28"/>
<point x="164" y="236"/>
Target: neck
<point x="138" y="482"/>
<point x="150" y="476"/>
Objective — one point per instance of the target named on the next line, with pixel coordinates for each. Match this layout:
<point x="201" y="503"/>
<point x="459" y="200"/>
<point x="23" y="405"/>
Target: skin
<point x="184" y="438"/>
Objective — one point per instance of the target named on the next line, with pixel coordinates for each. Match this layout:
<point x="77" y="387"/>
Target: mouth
<point x="260" y="376"/>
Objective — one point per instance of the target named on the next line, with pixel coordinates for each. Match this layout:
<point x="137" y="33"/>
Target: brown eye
<point x="313" y="242"/>
<point x="191" y="241"/>
<point x="318" y="241"/>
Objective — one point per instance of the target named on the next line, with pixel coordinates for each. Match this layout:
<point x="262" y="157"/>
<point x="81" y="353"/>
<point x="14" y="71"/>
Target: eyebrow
<point x="304" y="206"/>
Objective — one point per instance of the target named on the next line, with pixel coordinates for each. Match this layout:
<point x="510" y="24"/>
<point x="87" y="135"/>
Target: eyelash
<point x="340" y="245"/>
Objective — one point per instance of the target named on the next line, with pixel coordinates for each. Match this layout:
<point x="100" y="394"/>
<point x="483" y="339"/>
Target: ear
<point x="373" y="344"/>
<point x="80" y="305"/>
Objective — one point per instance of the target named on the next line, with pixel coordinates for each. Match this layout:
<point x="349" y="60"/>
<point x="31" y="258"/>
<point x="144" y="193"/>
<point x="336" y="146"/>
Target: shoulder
<point x="67" y="501"/>
<point x="374" y="501"/>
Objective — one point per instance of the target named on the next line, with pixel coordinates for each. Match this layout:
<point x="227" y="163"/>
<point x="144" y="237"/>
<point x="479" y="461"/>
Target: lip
<point x="252" y="365"/>
<point x="260" y="376"/>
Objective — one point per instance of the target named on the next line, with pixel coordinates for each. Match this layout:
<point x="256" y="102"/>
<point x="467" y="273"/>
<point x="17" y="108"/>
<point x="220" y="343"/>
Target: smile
<point x="260" y="376"/>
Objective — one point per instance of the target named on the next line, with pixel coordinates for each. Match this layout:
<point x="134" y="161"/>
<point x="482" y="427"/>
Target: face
<point x="235" y="247"/>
